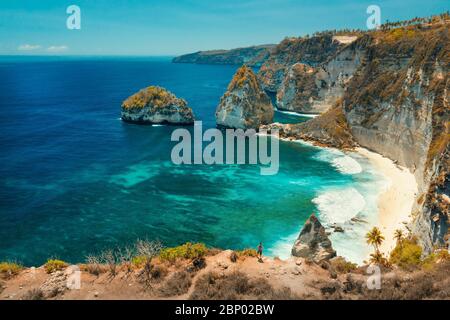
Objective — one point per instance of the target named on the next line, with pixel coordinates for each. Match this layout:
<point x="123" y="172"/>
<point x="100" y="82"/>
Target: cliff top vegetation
<point x="152" y="96"/>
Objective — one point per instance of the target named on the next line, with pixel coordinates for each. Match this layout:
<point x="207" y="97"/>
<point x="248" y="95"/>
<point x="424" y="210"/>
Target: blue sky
<point x="168" y="27"/>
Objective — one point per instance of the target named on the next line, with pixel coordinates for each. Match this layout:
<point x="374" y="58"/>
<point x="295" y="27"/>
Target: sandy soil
<point x="295" y="273"/>
<point x="396" y="202"/>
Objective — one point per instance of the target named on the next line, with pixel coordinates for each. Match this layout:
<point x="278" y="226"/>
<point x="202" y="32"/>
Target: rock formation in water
<point x="251" y="56"/>
<point x="245" y="105"/>
<point x="155" y="105"/>
<point x="313" y="242"/>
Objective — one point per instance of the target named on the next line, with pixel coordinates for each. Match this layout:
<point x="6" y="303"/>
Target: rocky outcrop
<point x="245" y="105"/>
<point x="311" y="51"/>
<point x="308" y="89"/>
<point x="313" y="242"/>
<point x="155" y="105"/>
<point x="330" y="129"/>
<point x="251" y="56"/>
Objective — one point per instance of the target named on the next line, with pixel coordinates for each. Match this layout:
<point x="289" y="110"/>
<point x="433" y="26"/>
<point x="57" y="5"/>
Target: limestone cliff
<point x="155" y="105"/>
<point x="244" y="105"/>
<point x="311" y="51"/>
<point x="308" y="89"/>
<point x="313" y="242"/>
<point x="251" y="56"/>
<point x="397" y="105"/>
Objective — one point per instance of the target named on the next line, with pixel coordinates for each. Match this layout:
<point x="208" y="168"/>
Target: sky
<point x="169" y="27"/>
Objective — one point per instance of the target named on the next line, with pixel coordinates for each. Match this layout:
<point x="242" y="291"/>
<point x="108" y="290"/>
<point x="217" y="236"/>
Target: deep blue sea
<point x="75" y="179"/>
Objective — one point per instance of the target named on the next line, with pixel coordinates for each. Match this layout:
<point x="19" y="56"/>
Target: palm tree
<point x="375" y="238"/>
<point x="398" y="235"/>
<point x="376" y="258"/>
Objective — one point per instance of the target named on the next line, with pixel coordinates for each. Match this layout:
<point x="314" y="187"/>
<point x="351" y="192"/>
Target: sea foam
<point x="342" y="162"/>
<point x="339" y="205"/>
<point x="347" y="165"/>
<point x="306" y="115"/>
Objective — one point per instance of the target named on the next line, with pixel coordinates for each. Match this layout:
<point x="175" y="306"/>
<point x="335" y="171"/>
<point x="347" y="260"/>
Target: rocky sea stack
<point x="313" y="242"/>
<point x="245" y="105"/>
<point x="156" y="105"/>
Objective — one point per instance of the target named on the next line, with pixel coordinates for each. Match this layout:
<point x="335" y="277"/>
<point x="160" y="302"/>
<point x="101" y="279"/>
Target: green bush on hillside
<point x="247" y="253"/>
<point x="185" y="251"/>
<point x="9" y="269"/>
<point x="438" y="256"/>
<point x="407" y="254"/>
<point x="54" y="265"/>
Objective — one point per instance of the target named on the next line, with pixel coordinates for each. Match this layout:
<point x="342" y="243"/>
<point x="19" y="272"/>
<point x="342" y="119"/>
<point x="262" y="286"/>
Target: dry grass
<point x="242" y="76"/>
<point x="9" y="269"/>
<point x="237" y="285"/>
<point x="34" y="294"/>
<point x="54" y="265"/>
<point x="155" y="96"/>
<point x="178" y="284"/>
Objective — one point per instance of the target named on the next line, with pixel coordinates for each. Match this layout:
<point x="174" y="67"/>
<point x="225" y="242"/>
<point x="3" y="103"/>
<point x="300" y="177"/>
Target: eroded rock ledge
<point x="328" y="130"/>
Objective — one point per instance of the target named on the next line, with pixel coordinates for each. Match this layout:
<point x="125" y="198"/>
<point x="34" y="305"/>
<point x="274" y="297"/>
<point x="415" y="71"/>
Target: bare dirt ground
<point x="295" y="274"/>
<point x="247" y="278"/>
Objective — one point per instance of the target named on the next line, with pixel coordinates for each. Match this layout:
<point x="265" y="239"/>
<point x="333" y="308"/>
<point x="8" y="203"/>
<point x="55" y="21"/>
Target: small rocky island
<point x="156" y="105"/>
<point x="245" y="105"/>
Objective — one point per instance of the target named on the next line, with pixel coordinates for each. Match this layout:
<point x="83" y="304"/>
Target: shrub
<point x="125" y="257"/>
<point x="53" y="265"/>
<point x="94" y="266"/>
<point x="138" y="261"/>
<point x="431" y="260"/>
<point x="9" y="269"/>
<point x="34" y="294"/>
<point x="236" y="285"/>
<point x="343" y="266"/>
<point x="178" y="284"/>
<point x="247" y="253"/>
<point x="233" y="256"/>
<point x="418" y="285"/>
<point x="185" y="251"/>
<point x="147" y="250"/>
<point x="407" y="254"/>
<point x="111" y="259"/>
<point x="158" y="272"/>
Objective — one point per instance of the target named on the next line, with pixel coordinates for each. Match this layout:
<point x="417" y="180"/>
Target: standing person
<point x="260" y="251"/>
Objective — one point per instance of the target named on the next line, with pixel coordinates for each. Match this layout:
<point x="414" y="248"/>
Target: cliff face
<point x="309" y="51"/>
<point x="310" y="74"/>
<point x="154" y="105"/>
<point x="251" y="56"/>
<point x="308" y="89"/>
<point x="313" y="242"/>
<point x="390" y="91"/>
<point x="244" y="105"/>
<point x="397" y="105"/>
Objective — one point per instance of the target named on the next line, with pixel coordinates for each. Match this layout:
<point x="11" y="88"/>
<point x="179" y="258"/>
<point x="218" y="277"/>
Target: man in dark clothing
<point x="260" y="251"/>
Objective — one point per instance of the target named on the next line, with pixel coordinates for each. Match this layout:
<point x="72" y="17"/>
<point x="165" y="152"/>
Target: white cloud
<point x="57" y="48"/>
<point x="28" y="47"/>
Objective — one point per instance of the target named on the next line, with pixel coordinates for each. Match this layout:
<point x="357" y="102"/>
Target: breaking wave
<point x="339" y="205"/>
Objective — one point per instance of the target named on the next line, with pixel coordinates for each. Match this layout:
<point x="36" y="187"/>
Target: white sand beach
<point x="396" y="202"/>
